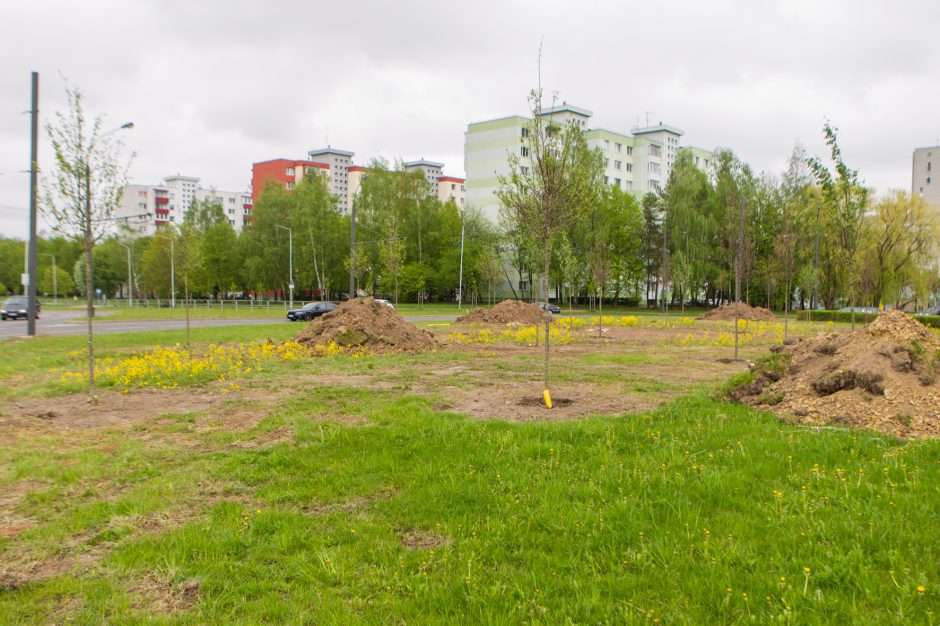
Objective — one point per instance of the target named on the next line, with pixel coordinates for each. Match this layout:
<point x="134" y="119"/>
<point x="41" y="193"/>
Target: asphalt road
<point x="58" y="323"/>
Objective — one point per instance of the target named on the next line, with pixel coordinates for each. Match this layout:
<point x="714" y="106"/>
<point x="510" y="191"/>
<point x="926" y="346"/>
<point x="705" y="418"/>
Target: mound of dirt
<point x="506" y="312"/>
<point x="882" y="376"/>
<point x="745" y="312"/>
<point x="365" y="323"/>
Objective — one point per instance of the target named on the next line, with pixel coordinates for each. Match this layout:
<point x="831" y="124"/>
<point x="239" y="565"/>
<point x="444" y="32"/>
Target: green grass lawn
<point x="351" y="503"/>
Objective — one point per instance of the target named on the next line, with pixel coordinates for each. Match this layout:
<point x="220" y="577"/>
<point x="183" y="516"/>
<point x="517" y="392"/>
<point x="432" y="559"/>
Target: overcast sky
<point x="214" y="85"/>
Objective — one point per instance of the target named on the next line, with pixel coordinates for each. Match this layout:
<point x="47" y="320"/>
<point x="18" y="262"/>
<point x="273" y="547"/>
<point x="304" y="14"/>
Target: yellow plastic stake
<point x="548" y="398"/>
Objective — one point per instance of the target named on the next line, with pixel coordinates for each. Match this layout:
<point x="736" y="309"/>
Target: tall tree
<point x="559" y="184"/>
<point x="846" y="198"/>
<point x="83" y="188"/>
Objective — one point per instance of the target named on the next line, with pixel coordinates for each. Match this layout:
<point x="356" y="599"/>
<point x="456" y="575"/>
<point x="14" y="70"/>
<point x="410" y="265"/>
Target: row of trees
<point x="408" y="247"/>
<point x="814" y="235"/>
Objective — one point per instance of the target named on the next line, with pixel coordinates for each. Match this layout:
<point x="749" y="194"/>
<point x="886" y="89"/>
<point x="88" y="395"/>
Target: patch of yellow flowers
<point x="524" y="336"/>
<point x="167" y="367"/>
<point x="748" y="333"/>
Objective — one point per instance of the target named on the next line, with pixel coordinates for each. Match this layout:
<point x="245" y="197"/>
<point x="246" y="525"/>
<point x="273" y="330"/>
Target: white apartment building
<point x="924" y="177"/>
<point x="146" y="208"/>
<point x="638" y="162"/>
<point x="339" y="162"/>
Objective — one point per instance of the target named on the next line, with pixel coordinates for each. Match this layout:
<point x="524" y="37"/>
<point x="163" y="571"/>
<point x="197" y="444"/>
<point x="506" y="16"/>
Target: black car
<point x="554" y="309"/>
<point x="17" y="307"/>
<point x="310" y="311"/>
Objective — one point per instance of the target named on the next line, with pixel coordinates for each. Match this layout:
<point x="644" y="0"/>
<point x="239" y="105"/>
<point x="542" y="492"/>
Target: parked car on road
<point x="934" y="310"/>
<point x="385" y="302"/>
<point x="17" y="307"/>
<point x="554" y="309"/>
<point x="310" y="311"/>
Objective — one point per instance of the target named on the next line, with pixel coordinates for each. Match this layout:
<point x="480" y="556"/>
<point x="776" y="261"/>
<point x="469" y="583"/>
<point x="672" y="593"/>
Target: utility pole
<point x="460" y="284"/>
<point x="290" y="261"/>
<point x="130" y="285"/>
<point x="172" y="270"/>
<point x="352" y="252"/>
<point x="55" y="282"/>
<point x="737" y="275"/>
<point x="32" y="276"/>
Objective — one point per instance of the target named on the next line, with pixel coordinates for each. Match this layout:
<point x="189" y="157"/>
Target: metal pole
<point x="460" y="284"/>
<point x="290" y="261"/>
<point x="55" y="288"/>
<point x="33" y="166"/>
<point x="172" y="275"/>
<point x="290" y="252"/>
<point x="737" y="275"/>
<point x="130" y="285"/>
<point x="352" y="253"/>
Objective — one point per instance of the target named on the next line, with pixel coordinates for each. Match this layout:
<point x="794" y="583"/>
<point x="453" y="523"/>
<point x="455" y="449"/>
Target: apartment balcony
<point x="162" y="199"/>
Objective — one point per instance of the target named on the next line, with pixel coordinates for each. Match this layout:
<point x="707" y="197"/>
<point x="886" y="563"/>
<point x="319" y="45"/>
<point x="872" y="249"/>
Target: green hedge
<point x="846" y="316"/>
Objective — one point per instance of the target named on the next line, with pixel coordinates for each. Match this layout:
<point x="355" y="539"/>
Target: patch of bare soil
<point x="882" y="376"/>
<point x="162" y="597"/>
<point x="742" y="311"/>
<point x="113" y="409"/>
<point x="521" y="402"/>
<point x="365" y="323"/>
<point x="423" y="540"/>
<point x="278" y="435"/>
<point x="506" y="312"/>
<point x="350" y="505"/>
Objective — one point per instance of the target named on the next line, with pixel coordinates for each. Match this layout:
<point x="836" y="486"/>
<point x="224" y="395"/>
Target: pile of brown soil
<point x="365" y="323"/>
<point x="745" y="312"/>
<point x="506" y="312"/>
<point x="882" y="376"/>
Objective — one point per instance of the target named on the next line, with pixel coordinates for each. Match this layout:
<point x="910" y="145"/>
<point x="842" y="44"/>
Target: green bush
<point x="932" y="321"/>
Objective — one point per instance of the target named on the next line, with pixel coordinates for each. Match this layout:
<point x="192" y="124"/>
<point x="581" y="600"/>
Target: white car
<point x="385" y="302"/>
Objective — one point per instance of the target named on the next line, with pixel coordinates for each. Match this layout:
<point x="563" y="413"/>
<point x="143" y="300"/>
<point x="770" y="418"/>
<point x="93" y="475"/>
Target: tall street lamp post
<point x="55" y="282"/>
<point x="172" y="270"/>
<point x="130" y="285"/>
<point x="290" y="253"/>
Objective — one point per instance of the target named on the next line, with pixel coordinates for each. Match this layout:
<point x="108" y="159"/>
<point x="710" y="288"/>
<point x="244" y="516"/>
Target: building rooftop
<point x="658" y="128"/>
<point x="421" y="162"/>
<point x="564" y="107"/>
<point x="329" y="150"/>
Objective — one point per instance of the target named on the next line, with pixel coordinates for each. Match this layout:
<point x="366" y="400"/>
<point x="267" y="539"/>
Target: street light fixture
<point x="172" y="270"/>
<point x="130" y="285"/>
<point x="290" y="253"/>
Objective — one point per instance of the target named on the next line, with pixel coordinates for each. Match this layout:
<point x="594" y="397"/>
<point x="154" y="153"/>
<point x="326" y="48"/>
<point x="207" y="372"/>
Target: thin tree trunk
<point x="547" y="320"/>
<point x="90" y="301"/>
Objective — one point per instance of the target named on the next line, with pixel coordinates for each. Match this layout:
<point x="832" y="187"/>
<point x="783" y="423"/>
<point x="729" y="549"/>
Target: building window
<point x="654" y="150"/>
<point x="617" y="181"/>
<point x="629" y="167"/>
<point x="618" y="164"/>
<point x="618" y="147"/>
<point x="290" y="171"/>
<point x="654" y="168"/>
<point x="607" y="145"/>
<point x="629" y="150"/>
<point x="525" y="132"/>
<point x="288" y="185"/>
<point x="524" y="151"/>
<point x="607" y="180"/>
<point x="928" y="180"/>
<point x="928" y="166"/>
<point x="606" y="162"/>
<point x="524" y="170"/>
